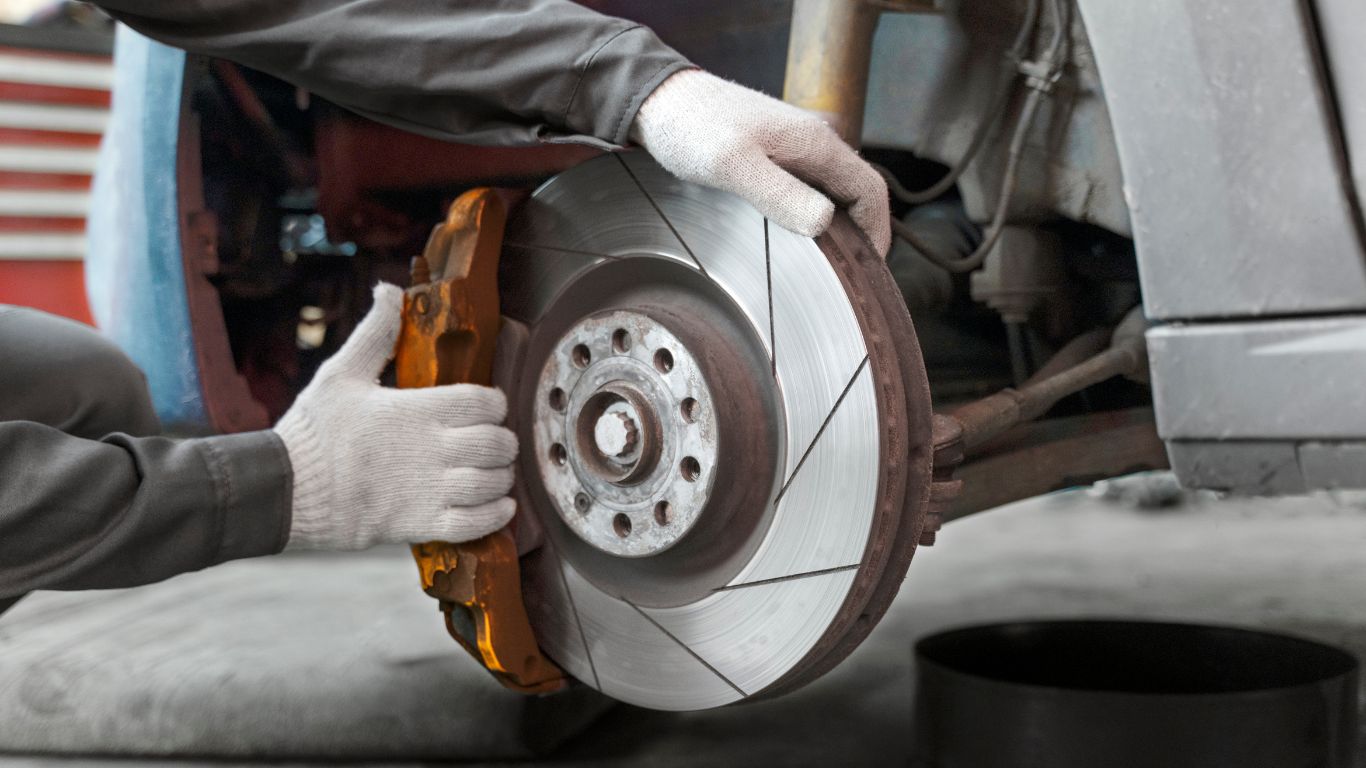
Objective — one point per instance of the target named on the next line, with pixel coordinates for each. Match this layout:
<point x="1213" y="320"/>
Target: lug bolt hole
<point x="621" y="524"/>
<point x="621" y="341"/>
<point x="582" y="503"/>
<point x="559" y="456"/>
<point x="690" y="409"/>
<point x="581" y="355"/>
<point x="664" y="360"/>
<point x="664" y="514"/>
<point x="690" y="468"/>
<point x="557" y="399"/>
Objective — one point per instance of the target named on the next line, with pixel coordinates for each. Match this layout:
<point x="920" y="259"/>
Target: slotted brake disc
<point x="725" y="432"/>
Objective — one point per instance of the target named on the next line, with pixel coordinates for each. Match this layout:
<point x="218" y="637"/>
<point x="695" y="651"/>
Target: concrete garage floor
<point x="311" y="658"/>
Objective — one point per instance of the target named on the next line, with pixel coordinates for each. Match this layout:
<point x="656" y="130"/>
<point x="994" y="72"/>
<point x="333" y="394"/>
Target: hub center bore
<point x="617" y="434"/>
<point x="625" y="435"/>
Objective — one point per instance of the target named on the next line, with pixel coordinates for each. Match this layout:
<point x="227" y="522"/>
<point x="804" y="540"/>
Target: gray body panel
<point x="1235" y="133"/>
<point x="1273" y="406"/>
<point x="1342" y="24"/>
<point x="1226" y="138"/>
<point x="1281" y="379"/>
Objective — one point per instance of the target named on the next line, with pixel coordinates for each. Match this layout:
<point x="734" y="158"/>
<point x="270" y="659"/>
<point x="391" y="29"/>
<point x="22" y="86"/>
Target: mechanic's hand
<point x="374" y="465"/>
<point x="714" y="132"/>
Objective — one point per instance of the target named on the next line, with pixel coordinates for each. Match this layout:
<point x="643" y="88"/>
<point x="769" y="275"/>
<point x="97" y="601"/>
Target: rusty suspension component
<point x="450" y="325"/>
<point x="965" y="431"/>
<point x="984" y="419"/>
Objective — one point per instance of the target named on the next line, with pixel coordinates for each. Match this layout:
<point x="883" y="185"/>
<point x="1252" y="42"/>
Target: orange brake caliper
<point x="450" y="325"/>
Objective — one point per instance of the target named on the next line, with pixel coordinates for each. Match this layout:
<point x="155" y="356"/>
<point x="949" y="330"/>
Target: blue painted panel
<point x="134" y="273"/>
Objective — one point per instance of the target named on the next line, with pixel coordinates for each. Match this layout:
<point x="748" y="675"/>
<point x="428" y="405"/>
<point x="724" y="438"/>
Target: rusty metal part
<point x="1077" y="350"/>
<point x="1051" y="455"/>
<point x="449" y="333"/>
<point x="828" y="54"/>
<point x="1011" y="459"/>
<point x="944" y="486"/>
<point x="986" y="418"/>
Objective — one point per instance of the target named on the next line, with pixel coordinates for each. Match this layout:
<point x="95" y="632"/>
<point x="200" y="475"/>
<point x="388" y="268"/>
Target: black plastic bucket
<point x="1113" y="694"/>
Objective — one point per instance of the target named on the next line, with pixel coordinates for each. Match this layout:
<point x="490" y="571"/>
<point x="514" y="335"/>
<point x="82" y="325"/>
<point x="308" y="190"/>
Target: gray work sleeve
<point x="500" y="72"/>
<point x="123" y="511"/>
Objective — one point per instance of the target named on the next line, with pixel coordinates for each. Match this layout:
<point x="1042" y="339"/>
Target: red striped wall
<point x="52" y="109"/>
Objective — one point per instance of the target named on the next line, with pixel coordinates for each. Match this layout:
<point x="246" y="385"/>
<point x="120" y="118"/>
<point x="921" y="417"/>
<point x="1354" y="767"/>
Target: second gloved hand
<point x="785" y="162"/>
<point x="375" y="465"/>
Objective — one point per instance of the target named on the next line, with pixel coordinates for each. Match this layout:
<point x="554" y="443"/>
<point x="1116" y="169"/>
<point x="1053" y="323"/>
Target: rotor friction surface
<point x="852" y="436"/>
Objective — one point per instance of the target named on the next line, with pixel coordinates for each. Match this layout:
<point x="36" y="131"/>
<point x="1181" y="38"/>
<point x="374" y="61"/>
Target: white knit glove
<point x="375" y="465"/>
<point x="713" y="132"/>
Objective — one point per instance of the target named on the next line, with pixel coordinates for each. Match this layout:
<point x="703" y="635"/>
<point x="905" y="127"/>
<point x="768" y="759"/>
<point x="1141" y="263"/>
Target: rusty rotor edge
<point x="903" y="392"/>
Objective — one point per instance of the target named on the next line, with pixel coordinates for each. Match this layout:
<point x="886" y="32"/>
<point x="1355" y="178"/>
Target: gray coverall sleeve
<point x="499" y="72"/>
<point x="78" y="513"/>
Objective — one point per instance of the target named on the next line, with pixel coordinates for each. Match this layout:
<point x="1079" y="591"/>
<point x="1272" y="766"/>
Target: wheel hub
<point x="625" y="434"/>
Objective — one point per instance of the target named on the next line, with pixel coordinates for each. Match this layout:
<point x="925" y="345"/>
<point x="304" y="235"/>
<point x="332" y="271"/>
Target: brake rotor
<point x="725" y="431"/>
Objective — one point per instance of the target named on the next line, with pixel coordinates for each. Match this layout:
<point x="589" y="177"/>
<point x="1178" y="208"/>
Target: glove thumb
<point x="371" y="345"/>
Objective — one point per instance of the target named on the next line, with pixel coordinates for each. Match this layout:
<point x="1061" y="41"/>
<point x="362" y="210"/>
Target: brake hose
<point x="1040" y="78"/>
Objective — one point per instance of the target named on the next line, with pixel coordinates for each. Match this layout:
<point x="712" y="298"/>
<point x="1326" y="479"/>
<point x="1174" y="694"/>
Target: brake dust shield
<point x="725" y="431"/>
